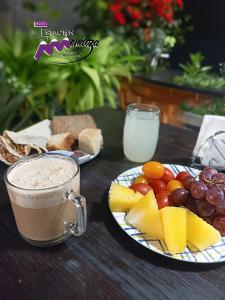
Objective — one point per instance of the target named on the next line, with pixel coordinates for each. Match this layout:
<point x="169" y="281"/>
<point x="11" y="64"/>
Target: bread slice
<point x="72" y="124"/>
<point x="90" y="141"/>
<point x="63" y="141"/>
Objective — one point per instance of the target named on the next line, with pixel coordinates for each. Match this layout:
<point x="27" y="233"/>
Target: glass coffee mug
<point x="44" y="194"/>
<point x="141" y="131"/>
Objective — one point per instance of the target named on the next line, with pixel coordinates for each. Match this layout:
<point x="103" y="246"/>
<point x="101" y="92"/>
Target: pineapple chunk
<point x="145" y="216"/>
<point x="174" y="228"/>
<point x="122" y="198"/>
<point x="200" y="233"/>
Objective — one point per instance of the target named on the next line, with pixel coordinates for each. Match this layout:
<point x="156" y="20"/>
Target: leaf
<point x="17" y="43"/>
<point x="93" y="75"/>
<point x="72" y="96"/>
<point x="87" y="96"/>
<point x="8" y="112"/>
<point x="100" y="54"/>
<point x="62" y="91"/>
<point x="111" y="97"/>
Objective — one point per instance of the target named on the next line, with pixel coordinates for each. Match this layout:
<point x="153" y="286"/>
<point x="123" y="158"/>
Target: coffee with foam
<point x="41" y="173"/>
<point x="37" y="188"/>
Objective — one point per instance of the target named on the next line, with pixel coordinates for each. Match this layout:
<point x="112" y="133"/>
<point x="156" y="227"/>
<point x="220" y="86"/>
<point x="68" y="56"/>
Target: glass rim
<point x="151" y="108"/>
<point x="23" y="159"/>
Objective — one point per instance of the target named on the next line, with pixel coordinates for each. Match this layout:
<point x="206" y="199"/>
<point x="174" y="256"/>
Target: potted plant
<point x="49" y="89"/>
<point x="193" y="113"/>
<point x="152" y="26"/>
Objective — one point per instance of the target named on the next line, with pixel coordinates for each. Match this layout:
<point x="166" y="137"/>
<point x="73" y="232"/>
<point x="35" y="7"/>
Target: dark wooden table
<point x="104" y="263"/>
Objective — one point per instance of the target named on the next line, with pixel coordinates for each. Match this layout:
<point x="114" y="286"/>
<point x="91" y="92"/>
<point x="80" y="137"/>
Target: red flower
<point x="136" y="14"/>
<point x="130" y="9"/>
<point x="134" y="2"/>
<point x="135" y="24"/>
<point x="115" y="7"/>
<point x="130" y="12"/>
<point x="169" y="17"/>
<point x="180" y="3"/>
<point x="148" y="15"/>
<point x="120" y="18"/>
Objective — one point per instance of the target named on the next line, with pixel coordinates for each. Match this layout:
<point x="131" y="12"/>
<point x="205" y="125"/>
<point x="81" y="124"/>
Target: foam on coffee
<point x="41" y="173"/>
<point x="42" y="176"/>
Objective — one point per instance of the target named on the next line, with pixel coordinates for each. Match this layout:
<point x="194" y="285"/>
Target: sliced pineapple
<point x="145" y="216"/>
<point x="174" y="228"/>
<point x="122" y="198"/>
<point x="199" y="233"/>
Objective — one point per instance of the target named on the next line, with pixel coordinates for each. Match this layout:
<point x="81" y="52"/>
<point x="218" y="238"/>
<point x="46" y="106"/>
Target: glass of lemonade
<point x="141" y="131"/>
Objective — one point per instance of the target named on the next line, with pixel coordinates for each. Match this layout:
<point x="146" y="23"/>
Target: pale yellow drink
<point x="141" y="132"/>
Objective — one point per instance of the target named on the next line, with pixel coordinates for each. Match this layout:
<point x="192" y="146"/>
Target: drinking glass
<point x="48" y="216"/>
<point x="141" y="131"/>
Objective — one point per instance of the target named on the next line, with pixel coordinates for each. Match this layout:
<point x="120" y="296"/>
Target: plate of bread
<point x="75" y="135"/>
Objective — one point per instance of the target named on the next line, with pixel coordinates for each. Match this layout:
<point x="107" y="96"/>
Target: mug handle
<point x="79" y="201"/>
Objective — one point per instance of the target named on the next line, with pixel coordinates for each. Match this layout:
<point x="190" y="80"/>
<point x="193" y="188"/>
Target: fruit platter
<point x="174" y="210"/>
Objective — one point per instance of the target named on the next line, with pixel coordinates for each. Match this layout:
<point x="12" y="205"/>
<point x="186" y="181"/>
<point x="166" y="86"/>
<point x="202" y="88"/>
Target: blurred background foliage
<point x="47" y="89"/>
<point x="153" y="27"/>
<point x="195" y="74"/>
<point x="135" y="36"/>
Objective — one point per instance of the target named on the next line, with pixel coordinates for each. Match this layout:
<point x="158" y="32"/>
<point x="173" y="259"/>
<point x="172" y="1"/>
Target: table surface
<point x="104" y="263"/>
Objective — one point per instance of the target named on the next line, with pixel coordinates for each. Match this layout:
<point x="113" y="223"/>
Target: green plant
<point x="213" y="107"/>
<point x="50" y="89"/>
<point x="9" y="102"/>
<point x="197" y="75"/>
<point x="153" y="27"/>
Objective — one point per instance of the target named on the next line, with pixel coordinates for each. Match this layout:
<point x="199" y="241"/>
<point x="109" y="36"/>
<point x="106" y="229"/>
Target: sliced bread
<point x="72" y="124"/>
<point x="90" y="140"/>
<point x="63" y="141"/>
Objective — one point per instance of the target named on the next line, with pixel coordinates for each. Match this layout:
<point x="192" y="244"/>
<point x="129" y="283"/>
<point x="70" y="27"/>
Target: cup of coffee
<point x="44" y="192"/>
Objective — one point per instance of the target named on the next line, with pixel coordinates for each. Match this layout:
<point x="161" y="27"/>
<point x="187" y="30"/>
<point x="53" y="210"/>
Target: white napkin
<point x="210" y="145"/>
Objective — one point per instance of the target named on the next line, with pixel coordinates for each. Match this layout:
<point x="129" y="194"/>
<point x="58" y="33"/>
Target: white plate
<point x="81" y="156"/>
<point x="213" y="254"/>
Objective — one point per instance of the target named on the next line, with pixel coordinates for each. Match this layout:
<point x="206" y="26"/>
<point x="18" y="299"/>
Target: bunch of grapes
<point x="205" y="196"/>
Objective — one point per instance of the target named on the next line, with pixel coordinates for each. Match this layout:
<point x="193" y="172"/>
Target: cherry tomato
<point x="173" y="185"/>
<point x="162" y="199"/>
<point x="153" y="170"/>
<point x="142" y="188"/>
<point x="168" y="175"/>
<point x="180" y="176"/>
<point x="140" y="179"/>
<point x="157" y="185"/>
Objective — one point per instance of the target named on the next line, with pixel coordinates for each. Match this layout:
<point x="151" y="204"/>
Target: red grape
<point x="205" y="177"/>
<point x="190" y="204"/>
<point x="219" y="224"/>
<point x="198" y="189"/>
<point x="218" y="178"/>
<point x="221" y="208"/>
<point x="207" y="174"/>
<point x="215" y="196"/>
<point x="209" y="219"/>
<point x="187" y="181"/>
<point x="221" y="186"/>
<point x="204" y="209"/>
<point x="179" y="196"/>
<point x="210" y="170"/>
<point x="210" y="185"/>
